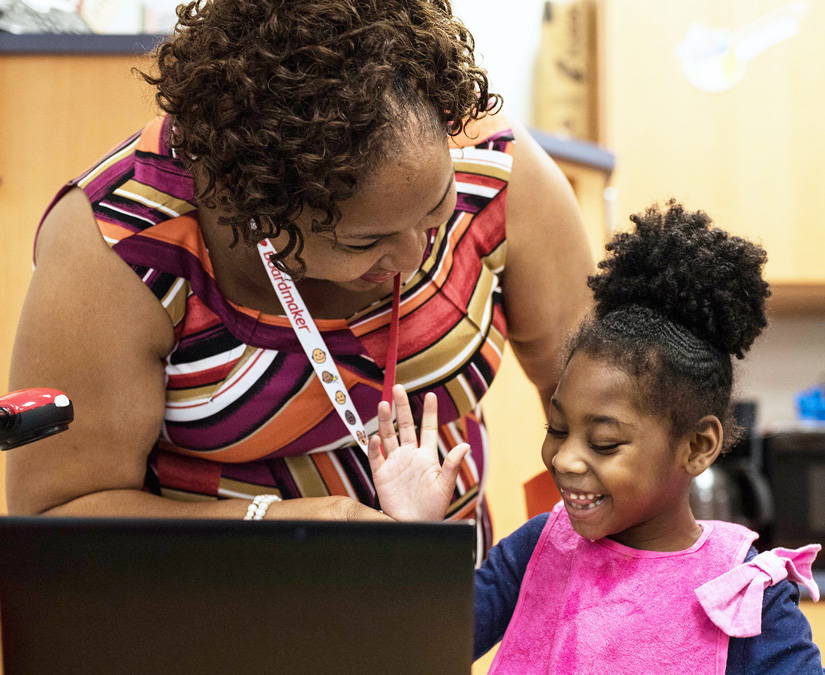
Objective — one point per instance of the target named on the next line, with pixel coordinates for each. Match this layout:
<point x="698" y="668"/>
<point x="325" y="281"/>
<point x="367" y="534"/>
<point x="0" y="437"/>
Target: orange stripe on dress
<point x="283" y="321"/>
<point x="301" y="414"/>
<point x="184" y="232"/>
<point x="113" y="230"/>
<point x="149" y="140"/>
<point x="466" y="511"/>
<point x="491" y="354"/>
<point x="329" y="474"/>
<point x="410" y="304"/>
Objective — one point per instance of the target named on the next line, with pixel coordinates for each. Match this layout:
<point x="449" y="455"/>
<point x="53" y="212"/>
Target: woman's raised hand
<point x="411" y="483"/>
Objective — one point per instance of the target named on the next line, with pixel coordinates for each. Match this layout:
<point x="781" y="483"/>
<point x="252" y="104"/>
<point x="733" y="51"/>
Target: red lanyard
<point x="392" y="341"/>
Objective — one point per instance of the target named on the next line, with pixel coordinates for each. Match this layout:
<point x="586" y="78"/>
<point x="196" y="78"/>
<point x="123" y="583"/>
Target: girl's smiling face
<point x="619" y="472"/>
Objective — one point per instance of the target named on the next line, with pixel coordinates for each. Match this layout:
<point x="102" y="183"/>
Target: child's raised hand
<point x="410" y="481"/>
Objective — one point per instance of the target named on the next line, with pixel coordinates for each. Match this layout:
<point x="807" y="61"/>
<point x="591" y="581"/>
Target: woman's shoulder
<point x="138" y="184"/>
<point x="477" y="131"/>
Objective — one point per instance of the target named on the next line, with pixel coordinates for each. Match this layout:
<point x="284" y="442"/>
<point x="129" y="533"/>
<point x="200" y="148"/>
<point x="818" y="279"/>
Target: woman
<point x="357" y="139"/>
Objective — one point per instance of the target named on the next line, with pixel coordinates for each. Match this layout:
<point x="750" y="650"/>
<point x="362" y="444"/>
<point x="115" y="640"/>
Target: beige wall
<point x="751" y="156"/>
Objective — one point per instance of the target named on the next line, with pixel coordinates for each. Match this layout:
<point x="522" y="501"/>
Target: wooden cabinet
<point x="752" y="156"/>
<point x="58" y="113"/>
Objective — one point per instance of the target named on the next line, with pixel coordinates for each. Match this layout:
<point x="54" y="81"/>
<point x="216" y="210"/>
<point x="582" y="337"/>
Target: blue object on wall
<point x="810" y="403"/>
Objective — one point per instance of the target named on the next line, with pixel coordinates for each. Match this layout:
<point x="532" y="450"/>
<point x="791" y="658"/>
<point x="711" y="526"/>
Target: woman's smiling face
<point x="383" y="227"/>
<point x="619" y="472"/>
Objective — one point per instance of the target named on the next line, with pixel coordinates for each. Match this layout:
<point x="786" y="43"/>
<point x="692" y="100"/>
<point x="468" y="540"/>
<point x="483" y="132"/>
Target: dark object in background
<point x="795" y="466"/>
<point x="735" y="488"/>
<point x="27" y="415"/>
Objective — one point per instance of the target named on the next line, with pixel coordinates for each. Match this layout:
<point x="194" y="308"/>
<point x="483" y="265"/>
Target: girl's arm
<point x="498" y="582"/>
<point x="785" y="644"/>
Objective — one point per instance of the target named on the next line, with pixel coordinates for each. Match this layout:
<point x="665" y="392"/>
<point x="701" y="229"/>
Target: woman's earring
<point x="253" y="224"/>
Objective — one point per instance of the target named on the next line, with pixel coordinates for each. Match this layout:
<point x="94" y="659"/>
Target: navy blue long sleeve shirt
<point x="784" y="646"/>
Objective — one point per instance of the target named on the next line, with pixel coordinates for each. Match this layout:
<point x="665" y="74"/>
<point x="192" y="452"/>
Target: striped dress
<point x="245" y="413"/>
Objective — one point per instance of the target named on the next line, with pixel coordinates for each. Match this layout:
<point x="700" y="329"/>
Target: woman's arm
<point x="548" y="261"/>
<point x="90" y="328"/>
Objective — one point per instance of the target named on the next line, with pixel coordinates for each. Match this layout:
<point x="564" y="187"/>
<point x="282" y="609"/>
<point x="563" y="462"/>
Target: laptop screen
<point x="218" y="596"/>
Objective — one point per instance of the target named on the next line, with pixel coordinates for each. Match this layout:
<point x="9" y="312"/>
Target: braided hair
<point x="675" y="299"/>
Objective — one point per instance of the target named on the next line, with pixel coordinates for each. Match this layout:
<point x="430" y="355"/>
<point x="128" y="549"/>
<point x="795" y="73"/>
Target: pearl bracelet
<point x="257" y="509"/>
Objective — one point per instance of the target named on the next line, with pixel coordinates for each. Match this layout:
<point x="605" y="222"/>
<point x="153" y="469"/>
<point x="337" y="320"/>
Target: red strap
<point x="392" y="346"/>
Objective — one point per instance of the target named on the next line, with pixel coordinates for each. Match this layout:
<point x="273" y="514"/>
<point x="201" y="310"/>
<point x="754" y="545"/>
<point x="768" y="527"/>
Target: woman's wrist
<point x="259" y="506"/>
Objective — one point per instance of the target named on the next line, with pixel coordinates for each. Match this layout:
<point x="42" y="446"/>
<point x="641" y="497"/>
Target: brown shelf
<point x="789" y="298"/>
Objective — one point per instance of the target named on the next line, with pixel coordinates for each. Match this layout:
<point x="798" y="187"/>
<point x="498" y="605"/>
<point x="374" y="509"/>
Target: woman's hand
<point x="410" y="481"/>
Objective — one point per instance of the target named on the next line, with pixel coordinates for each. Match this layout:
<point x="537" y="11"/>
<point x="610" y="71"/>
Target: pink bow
<point x="733" y="601"/>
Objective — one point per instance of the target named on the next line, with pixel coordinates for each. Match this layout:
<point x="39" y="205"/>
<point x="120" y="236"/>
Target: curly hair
<point x="284" y="105"/>
<point x="675" y="299"/>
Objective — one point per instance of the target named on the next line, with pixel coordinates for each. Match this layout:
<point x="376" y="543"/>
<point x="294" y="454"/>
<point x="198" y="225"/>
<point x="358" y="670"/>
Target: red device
<point x="27" y="415"/>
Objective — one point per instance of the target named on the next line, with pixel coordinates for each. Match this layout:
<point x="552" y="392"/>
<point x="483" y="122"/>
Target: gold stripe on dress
<point x="184" y="496"/>
<point x="154" y="198"/>
<point x="239" y="489"/>
<point x="306" y="476"/>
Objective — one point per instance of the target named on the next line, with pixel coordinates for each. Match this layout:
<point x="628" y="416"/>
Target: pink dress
<point x="599" y="606"/>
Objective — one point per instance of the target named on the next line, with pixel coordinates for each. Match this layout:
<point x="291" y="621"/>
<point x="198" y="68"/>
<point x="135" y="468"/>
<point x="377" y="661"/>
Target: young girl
<point x="619" y="576"/>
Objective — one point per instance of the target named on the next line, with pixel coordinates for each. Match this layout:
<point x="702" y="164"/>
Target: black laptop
<point x="114" y="596"/>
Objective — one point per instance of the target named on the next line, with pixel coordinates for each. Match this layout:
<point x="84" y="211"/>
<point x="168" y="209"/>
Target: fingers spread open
<point x="374" y="453"/>
<point x="403" y="413"/>
<point x="429" y="422"/>
<point x="452" y="462"/>
<point x="385" y="428"/>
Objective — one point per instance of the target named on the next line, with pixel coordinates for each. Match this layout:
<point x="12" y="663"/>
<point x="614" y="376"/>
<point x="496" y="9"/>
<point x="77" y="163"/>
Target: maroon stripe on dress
<point x="256" y="473"/>
<point x="283" y="479"/>
<point x="259" y="402"/>
<point x="180" y="472"/>
<point x="115" y="175"/>
<point x="132" y="208"/>
<point x="176" y="260"/>
<point x="152" y="170"/>
<point x="358" y="474"/>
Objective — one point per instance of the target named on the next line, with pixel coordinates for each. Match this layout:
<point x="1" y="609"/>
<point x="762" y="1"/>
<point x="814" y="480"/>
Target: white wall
<point x="787" y="358"/>
<point x="507" y="40"/>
